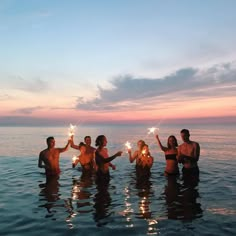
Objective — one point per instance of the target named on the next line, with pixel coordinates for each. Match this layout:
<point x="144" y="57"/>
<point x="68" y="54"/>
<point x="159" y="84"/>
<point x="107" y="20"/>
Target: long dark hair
<point x="99" y="140"/>
<point x="175" y="140"/>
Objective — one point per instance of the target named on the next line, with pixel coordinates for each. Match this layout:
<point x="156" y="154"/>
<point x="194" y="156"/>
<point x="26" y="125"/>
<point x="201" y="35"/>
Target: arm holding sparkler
<point x="66" y="147"/>
<point x="72" y="143"/>
<point x="136" y="154"/>
<point x="164" y="149"/>
<point x="133" y="157"/>
<point x="101" y="159"/>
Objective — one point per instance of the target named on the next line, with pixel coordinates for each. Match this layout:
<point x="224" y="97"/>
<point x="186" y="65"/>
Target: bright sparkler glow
<point x="71" y="130"/>
<point x="74" y="158"/>
<point x="128" y="145"/>
<point x="152" y="130"/>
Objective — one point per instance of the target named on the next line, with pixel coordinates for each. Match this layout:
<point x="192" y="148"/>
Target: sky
<point x="117" y="61"/>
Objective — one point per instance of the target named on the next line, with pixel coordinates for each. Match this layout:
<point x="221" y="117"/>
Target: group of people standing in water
<point x="98" y="160"/>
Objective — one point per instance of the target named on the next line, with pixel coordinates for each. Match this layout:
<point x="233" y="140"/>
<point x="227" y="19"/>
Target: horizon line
<point x="33" y="121"/>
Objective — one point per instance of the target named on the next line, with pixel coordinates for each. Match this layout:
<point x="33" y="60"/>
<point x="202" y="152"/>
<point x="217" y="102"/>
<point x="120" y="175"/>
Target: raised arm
<point x="66" y="147"/>
<point x="72" y="143"/>
<point x="164" y="149"/>
<point x="132" y="157"/>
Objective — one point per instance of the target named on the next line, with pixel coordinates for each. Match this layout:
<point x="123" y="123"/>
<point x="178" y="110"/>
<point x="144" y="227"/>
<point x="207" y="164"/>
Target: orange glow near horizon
<point x="198" y="108"/>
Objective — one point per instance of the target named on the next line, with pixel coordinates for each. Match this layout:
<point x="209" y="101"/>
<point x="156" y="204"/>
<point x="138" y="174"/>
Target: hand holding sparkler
<point x="152" y="130"/>
<point x="71" y="131"/>
<point x="75" y="160"/>
<point x="128" y="146"/>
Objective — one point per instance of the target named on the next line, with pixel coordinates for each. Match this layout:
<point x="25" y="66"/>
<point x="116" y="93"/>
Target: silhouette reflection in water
<point x="143" y="185"/>
<point x="181" y="198"/>
<point x="80" y="191"/>
<point x="50" y="190"/>
<point x="102" y="202"/>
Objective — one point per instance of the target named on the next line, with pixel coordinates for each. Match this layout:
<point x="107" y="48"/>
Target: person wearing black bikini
<point x="171" y="152"/>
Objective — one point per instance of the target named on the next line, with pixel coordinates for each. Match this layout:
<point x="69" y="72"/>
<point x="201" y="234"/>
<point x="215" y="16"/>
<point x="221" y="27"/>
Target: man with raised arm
<point x="49" y="158"/>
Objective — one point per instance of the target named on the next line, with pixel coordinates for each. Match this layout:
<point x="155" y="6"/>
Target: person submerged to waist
<point x="189" y="162"/>
<point x="87" y="166"/>
<point x="52" y="171"/>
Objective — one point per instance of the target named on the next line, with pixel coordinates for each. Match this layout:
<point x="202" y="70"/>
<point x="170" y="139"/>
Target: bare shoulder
<point x="42" y="152"/>
<point x="57" y="149"/>
<point x="195" y="143"/>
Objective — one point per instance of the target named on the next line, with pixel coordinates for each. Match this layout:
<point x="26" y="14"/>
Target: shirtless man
<point x="89" y="148"/>
<point x="188" y="154"/>
<point x="49" y="158"/>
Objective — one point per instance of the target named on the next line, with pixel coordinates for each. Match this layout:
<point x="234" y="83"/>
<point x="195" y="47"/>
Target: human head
<point x="140" y="144"/>
<point x="172" y="141"/>
<point x="50" y="142"/>
<point x="87" y="140"/>
<point x="82" y="147"/>
<point x="145" y="149"/>
<point x="185" y="135"/>
<point x="101" y="141"/>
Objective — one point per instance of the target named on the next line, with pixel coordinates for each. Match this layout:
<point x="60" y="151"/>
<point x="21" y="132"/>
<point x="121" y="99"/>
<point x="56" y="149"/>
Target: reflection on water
<point x="142" y="203"/>
<point x="181" y="198"/>
<point x="143" y="186"/>
<point x="79" y="203"/>
<point x="102" y="202"/>
<point x="50" y="192"/>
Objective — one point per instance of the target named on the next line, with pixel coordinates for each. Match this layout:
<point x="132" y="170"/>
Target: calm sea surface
<point x="75" y="205"/>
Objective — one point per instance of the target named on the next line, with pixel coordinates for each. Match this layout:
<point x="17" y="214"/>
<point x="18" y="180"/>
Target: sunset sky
<point x="116" y="61"/>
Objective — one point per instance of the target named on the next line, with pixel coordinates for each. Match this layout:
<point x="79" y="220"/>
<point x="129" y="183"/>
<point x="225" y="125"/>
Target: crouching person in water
<point x="102" y="159"/>
<point x="85" y="159"/>
<point x="144" y="162"/>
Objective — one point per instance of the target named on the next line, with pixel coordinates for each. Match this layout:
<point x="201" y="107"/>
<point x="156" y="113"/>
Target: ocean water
<point x="76" y="205"/>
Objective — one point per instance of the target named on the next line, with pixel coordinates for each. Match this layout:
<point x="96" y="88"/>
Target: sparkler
<point x="128" y="145"/>
<point x="152" y="130"/>
<point x="74" y="158"/>
<point x="71" y="130"/>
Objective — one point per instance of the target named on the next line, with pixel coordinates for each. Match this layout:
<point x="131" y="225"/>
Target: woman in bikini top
<point x="170" y="155"/>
